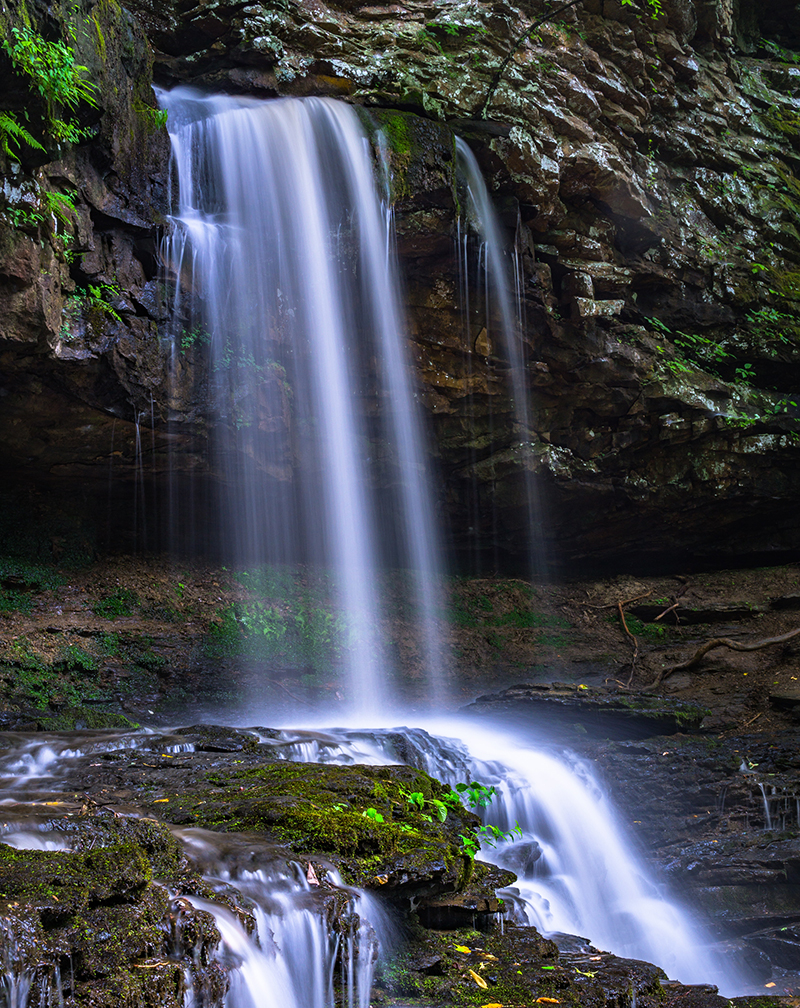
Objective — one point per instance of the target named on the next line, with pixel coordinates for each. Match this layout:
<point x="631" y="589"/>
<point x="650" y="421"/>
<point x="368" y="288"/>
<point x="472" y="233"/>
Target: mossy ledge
<point x="358" y="817"/>
<point x="99" y="910"/>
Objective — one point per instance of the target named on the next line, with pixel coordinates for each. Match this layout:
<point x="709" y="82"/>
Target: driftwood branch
<point x="718" y="642"/>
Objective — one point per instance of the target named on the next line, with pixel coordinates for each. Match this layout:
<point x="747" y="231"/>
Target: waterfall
<point x="576" y="872"/>
<point x="504" y="309"/>
<point x="281" y="257"/>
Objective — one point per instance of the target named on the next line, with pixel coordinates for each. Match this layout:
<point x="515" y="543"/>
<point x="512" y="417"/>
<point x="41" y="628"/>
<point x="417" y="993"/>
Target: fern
<point x="13" y="132"/>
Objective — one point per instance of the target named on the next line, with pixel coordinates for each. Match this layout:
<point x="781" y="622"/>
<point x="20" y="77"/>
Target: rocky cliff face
<point x="643" y="159"/>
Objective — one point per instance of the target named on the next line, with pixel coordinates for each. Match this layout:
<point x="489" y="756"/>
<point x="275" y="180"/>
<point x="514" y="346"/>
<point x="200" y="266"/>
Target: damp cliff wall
<point x="644" y="159"/>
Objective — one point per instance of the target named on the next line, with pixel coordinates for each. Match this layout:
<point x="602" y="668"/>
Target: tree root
<point x="718" y="642"/>
<point x="621" y="607"/>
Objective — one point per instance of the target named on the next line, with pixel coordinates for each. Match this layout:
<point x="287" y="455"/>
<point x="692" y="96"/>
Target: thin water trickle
<point x="503" y="305"/>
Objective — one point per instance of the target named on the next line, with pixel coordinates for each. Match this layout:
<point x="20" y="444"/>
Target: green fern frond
<point x="13" y="132"/>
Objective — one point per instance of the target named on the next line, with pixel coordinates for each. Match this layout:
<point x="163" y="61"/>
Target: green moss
<point x="73" y="879"/>
<point x="317" y="808"/>
<point x="118" y="603"/>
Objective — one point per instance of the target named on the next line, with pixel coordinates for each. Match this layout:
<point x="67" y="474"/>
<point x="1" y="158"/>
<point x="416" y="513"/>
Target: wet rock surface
<point x="648" y="165"/>
<point x="115" y="901"/>
<point x="102" y="923"/>
<point x="603" y="713"/>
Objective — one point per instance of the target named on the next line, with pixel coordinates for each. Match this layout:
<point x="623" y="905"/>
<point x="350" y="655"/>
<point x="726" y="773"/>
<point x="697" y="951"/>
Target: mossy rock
<point x="358" y="817"/>
<point x="517" y="967"/>
<point x="63" y="882"/>
<point x="420" y="156"/>
<point x="97" y="908"/>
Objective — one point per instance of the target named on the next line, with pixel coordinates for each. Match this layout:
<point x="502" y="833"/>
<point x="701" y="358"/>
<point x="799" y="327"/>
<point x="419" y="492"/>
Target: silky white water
<point x="280" y="258"/>
<point x="576" y="871"/>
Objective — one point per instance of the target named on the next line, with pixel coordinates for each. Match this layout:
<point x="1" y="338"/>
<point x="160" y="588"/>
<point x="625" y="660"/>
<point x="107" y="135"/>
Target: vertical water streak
<point x="283" y="259"/>
<point x="500" y="279"/>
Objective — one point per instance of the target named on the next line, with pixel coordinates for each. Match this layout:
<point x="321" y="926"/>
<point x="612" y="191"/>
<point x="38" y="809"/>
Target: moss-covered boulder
<point x="517" y="967"/>
<point x="95" y="926"/>
<point x="393" y="828"/>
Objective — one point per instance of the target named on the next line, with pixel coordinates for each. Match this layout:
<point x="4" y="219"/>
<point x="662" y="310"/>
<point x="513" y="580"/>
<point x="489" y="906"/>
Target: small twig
<point x="285" y="690"/>
<point x="752" y="719"/>
<point x="718" y="642"/>
<point x="513" y="51"/>
<point x="675" y="604"/>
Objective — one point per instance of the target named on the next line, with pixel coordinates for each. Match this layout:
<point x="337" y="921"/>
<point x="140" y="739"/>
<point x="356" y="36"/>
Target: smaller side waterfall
<point x="503" y="305"/>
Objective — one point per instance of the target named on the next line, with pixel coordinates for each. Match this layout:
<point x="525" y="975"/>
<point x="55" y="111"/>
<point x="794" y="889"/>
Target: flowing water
<point x="576" y="872"/>
<point x="281" y="256"/>
<point x="502" y="301"/>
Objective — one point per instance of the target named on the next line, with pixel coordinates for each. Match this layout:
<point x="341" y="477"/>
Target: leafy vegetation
<point x="119" y="603"/>
<point x="289" y="623"/>
<point x="52" y="72"/>
<point x="93" y="302"/>
<point x="45" y="685"/>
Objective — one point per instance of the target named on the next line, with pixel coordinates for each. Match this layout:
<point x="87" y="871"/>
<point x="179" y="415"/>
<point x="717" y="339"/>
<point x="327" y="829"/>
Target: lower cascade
<point x="313" y="941"/>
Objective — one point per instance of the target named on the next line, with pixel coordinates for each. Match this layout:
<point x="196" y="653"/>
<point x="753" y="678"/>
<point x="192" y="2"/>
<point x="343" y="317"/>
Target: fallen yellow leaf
<point x="478" y="979"/>
<point x="157" y="800"/>
<point x="462" y="948"/>
<point x="547" y="1001"/>
<point x="769" y="985"/>
<point x="492" y="1006"/>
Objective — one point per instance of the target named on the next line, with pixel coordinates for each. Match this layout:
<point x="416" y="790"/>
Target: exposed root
<point x="718" y="642"/>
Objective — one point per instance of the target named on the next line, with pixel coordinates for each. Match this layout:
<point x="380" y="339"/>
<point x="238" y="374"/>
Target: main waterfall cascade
<point x="282" y="262"/>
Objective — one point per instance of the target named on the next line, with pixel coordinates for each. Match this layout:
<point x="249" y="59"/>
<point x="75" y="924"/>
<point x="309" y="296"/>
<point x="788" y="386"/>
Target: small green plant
<point x="92" y="301"/>
<point x="373" y="815"/>
<point x="153" y="118"/>
<point x="60" y="205"/>
<point x="194" y="337"/>
<point x="773" y="326"/>
<point x="119" y="603"/>
<point x="486" y="836"/>
<point x="655" y="7"/>
<point x="13" y="134"/>
<point x="420" y="802"/>
<point x="475" y="795"/>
